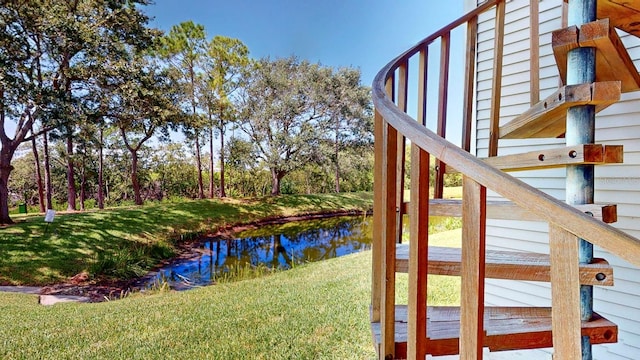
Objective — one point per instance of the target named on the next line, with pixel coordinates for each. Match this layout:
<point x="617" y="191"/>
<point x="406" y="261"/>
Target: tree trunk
<point x="336" y="149"/>
<point x="5" y="170"/>
<point x="134" y="177"/>
<point x="36" y="158"/>
<point x="83" y="182"/>
<point x="71" y="184"/>
<point x="199" y="163"/>
<point x="100" y="171"/>
<point x="47" y="172"/>
<point x="276" y="176"/>
<point x="212" y="190"/>
<point x="221" y="129"/>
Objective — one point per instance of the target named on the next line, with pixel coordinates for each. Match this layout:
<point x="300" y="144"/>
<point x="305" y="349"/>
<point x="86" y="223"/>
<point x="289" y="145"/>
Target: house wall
<point x="616" y="184"/>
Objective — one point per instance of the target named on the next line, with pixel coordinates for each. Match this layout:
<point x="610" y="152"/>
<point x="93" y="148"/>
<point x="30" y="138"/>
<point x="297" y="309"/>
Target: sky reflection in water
<point x="274" y="246"/>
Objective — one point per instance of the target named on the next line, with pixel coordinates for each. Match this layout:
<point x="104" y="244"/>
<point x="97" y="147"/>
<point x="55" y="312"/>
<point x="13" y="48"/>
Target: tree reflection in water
<point x="273" y="246"/>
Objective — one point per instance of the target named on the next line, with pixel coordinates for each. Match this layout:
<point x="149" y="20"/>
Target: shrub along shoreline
<point x="125" y="243"/>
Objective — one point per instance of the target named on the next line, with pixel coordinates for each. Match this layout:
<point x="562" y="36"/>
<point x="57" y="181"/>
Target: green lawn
<point x="124" y="242"/>
<point x="316" y="311"/>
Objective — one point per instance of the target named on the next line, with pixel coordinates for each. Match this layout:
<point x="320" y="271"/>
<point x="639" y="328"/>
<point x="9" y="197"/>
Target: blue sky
<point x="357" y="33"/>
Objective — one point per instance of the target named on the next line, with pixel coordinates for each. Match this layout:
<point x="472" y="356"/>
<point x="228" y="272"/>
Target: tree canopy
<point x="100" y="95"/>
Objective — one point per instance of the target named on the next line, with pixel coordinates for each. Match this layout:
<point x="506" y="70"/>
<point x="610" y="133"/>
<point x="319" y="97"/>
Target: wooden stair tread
<point x="546" y="119"/>
<point x="622" y="14"/>
<point x="594" y="154"/>
<point x="506" y="210"/>
<point x="506" y="328"/>
<point x="612" y="59"/>
<point x="509" y="265"/>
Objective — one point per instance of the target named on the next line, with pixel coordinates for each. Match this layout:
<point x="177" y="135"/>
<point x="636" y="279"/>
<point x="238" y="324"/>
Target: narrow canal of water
<point x="272" y="246"/>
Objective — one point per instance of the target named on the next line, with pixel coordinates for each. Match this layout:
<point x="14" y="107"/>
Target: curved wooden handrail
<point x="546" y="207"/>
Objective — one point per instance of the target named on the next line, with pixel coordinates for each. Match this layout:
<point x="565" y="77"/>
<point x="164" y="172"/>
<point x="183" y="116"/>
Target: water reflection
<point x="274" y="246"/>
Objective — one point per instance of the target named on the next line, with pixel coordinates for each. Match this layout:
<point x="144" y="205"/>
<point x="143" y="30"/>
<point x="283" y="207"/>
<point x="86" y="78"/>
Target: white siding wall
<point x="618" y="184"/>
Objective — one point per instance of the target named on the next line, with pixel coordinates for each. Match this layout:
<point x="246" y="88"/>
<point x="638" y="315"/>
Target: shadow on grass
<point x="34" y="253"/>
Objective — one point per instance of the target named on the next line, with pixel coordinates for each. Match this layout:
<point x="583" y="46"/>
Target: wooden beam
<point x="565" y="292"/>
<point x="553" y="158"/>
<point x="612" y="59"/>
<point x="507" y="210"/>
<point x="472" y="334"/>
<point x="496" y="87"/>
<point x="546" y="119"/>
<point x="418" y="254"/>
<point x="507" y="328"/>
<point x="622" y="14"/>
<point x="509" y="265"/>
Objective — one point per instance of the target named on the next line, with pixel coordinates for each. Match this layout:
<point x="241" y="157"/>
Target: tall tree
<point x="184" y="46"/>
<point x="143" y="104"/>
<point x="44" y="44"/>
<point x="349" y="114"/>
<point x="280" y="115"/>
<point x="227" y="58"/>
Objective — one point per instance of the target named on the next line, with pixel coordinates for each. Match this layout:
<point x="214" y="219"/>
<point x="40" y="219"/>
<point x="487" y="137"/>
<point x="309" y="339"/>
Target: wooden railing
<point x="393" y="127"/>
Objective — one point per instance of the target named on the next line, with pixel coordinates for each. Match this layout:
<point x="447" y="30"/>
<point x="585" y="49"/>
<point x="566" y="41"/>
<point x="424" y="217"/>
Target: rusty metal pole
<point x="581" y="130"/>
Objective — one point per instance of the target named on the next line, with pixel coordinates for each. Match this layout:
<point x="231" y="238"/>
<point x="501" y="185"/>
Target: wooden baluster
<point x="445" y="47"/>
<point x="469" y="82"/>
<point x="419" y="228"/>
<point x="496" y="88"/>
<point x="534" y="58"/>
<point x="378" y="216"/>
<point x="565" y="294"/>
<point x="422" y="84"/>
<point x="474" y="218"/>
<point x="403" y="84"/>
<point x="389" y="226"/>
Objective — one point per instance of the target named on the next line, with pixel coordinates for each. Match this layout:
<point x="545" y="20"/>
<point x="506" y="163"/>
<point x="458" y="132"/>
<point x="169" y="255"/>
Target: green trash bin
<point x="22" y="208"/>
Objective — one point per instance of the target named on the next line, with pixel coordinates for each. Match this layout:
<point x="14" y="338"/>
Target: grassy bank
<point x="316" y="311"/>
<point x="124" y="242"/>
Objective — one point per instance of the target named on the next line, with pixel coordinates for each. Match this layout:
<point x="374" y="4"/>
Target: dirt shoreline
<point x="107" y="290"/>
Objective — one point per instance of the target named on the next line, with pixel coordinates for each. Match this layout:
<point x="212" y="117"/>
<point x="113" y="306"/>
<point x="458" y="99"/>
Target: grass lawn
<point x="125" y="242"/>
<point x="316" y="311"/>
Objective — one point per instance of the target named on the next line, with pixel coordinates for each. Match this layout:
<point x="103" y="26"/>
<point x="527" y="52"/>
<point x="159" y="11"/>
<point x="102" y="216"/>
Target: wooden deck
<point x="506" y="328"/>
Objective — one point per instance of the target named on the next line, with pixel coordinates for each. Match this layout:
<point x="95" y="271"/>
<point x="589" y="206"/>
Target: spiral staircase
<point x="569" y="326"/>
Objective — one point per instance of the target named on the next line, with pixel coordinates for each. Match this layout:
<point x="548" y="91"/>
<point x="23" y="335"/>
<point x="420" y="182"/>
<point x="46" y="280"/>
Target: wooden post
<point x="581" y="130"/>
<point x="565" y="294"/>
<point x="445" y="50"/>
<point x="403" y="84"/>
<point x="469" y="82"/>
<point x="378" y="214"/>
<point x="418" y="254"/>
<point x="389" y="226"/>
<point x="534" y="67"/>
<point x="496" y="87"/>
<point x="474" y="218"/>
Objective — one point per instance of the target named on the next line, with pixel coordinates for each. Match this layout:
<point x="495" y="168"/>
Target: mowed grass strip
<point x="316" y="311"/>
<point x="34" y="253"/>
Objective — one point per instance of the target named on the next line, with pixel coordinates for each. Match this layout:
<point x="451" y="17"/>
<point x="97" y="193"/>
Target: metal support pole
<point x="581" y="130"/>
